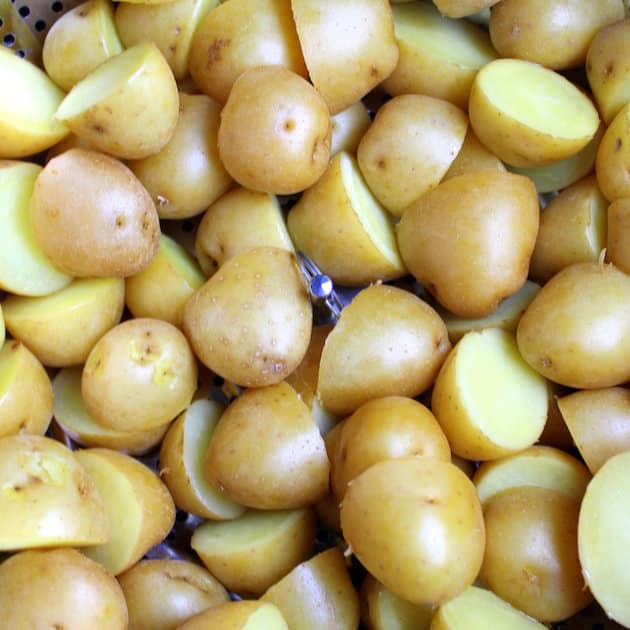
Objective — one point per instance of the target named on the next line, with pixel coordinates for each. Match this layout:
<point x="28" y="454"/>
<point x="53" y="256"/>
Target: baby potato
<point x="266" y="451"/>
<point x="556" y="35"/>
<point x="116" y="234"/>
<point x="139" y="508"/>
<point x="26" y="395"/>
<point x="275" y="113"/>
<point x="251" y="321"/>
<point x="59" y="587"/>
<point x="531" y="558"/>
<point x="385" y="428"/>
<point x="252" y="552"/>
<point x="409" y="147"/>
<point x="572" y="229"/>
<point x="128" y="106"/>
<point x="576" y="331"/>
<point x="61" y="328"/>
<point x="473" y="156"/>
<point x="528" y="115"/>
<point x="317" y="594"/>
<point x="47" y="497"/>
<point x="470" y="239"/>
<point x="438" y="56"/>
<point x="356" y="59"/>
<point x="236" y="36"/>
<point x="348" y="126"/>
<point x="387" y="342"/>
<point x="247" y="615"/>
<point x="139" y="375"/>
<point x="240" y="220"/>
<point x="613" y="157"/>
<point x="618" y="234"/>
<point x="186" y="175"/>
<point x="434" y="547"/>
<point x="161" y="594"/>
<point x="80" y="40"/>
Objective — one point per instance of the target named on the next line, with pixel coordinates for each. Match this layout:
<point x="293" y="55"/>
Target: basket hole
<point x="21" y="53"/>
<point x="57" y="6"/>
<point x="8" y="39"/>
<point x="24" y="11"/>
<point x="40" y="26"/>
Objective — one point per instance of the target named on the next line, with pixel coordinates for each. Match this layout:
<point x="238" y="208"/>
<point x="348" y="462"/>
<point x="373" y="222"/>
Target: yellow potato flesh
<point x="244" y="615"/>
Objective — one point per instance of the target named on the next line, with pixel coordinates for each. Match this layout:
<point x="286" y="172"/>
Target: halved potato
<point x="244" y="615"/>
<point x="348" y="126"/>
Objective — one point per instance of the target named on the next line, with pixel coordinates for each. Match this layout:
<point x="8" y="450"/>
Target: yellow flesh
<point x="9" y="364"/>
<point x="267" y="617"/>
<point x="182" y="261"/>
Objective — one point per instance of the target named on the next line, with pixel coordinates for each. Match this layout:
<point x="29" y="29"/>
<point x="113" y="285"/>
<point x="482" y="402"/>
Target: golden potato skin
<point x="612" y="159"/>
<point x="576" y="331"/>
<point x="469" y="241"/>
<point x="116" y="234"/>
<point x="618" y="235"/>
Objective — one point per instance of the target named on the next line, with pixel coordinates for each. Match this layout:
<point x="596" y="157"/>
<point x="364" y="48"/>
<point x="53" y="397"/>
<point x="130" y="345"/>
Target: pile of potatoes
<point x="449" y="451"/>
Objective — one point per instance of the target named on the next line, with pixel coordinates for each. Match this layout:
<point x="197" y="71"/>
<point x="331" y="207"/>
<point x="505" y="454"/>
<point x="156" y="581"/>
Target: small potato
<point x="62" y="588"/>
<point x="387" y="342"/>
<point x="117" y="234"/>
<point x="251" y="321"/>
<point x="409" y="147"/>
<point x="266" y="451"/>
<point x="618" y="234"/>
<point x="140" y="375"/>
<point x="528" y="115"/>
<point x="613" y="157"/>
<point x="469" y="241"/>
<point x="433" y="549"/>
<point x="163" y="593"/>
<point x="275" y="113"/>
<point x="473" y="156"/>
<point x="244" y="614"/>
<point x="576" y="331"/>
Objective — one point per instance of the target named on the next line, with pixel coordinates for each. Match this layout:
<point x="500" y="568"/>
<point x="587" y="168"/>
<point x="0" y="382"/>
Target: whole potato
<point x="115" y="234"/>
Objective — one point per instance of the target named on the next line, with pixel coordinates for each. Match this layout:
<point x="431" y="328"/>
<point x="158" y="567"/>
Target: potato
<point x="71" y="415"/>
<point x="617" y="245"/>
<point x="602" y="533"/>
<point x="488" y="401"/>
<point x="47" y="497"/>
<point x="527" y="114"/>
<point x="240" y="220"/>
<point x="62" y="588"/>
<point x="170" y="25"/>
<point x="162" y="288"/>
<point x="186" y="175"/>
<point x="182" y="457"/>
<point x="251" y="321"/>
<point x="531" y="557"/>
<point x="575" y="331"/>
<point x="140" y="510"/>
<point x="613" y="157"/>
<point x="27" y="123"/>
<point x="433" y="549"/>
<point x="356" y="59"/>
<point x="556" y="432"/>
<point x="348" y="126"/>
<point x="274" y="112"/>
<point x="61" y="328"/>
<point x="24" y="268"/>
<point x="556" y="35"/>
<point x="599" y="421"/>
<point x="80" y="40"/>
<point x="473" y="156"/>
<point x="110" y="106"/>
<point x="239" y="35"/>
<point x="538" y="466"/>
<point x="117" y="234"/>
<point x="477" y="609"/>
<point x="385" y="428"/>
<point x="387" y="342"/>
<point x="409" y="147"/>
<point x="250" y="553"/>
<point x="163" y="593"/>
<point x="438" y="56"/>
<point x="572" y="229"/>
<point x="266" y="451"/>
<point x="469" y="270"/>
<point x="606" y="70"/>
<point x="245" y="615"/>
<point x="317" y="594"/>
<point x="343" y="229"/>
<point x="140" y="375"/>
<point x="26" y="395"/>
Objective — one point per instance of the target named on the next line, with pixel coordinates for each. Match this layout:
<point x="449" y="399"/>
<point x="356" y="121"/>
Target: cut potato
<point x="343" y="229"/>
<point x="348" y="126"/>
<point x="244" y="615"/>
<point x="489" y="402"/>
<point x="528" y="115"/>
<point x="140" y="510"/>
<point x="252" y="552"/>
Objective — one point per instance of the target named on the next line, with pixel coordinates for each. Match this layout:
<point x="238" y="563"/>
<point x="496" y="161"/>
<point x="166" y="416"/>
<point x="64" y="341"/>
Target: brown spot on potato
<point x="608" y="69"/>
<point x="98" y="128"/>
<point x="214" y="52"/>
<point x="618" y="144"/>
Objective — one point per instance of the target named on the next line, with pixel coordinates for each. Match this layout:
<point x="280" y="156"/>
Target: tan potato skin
<point x="618" y="236"/>
<point x="612" y="159"/>
<point x="473" y="156"/>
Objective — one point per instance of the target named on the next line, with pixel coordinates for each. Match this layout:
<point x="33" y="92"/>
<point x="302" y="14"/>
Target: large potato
<point x="576" y="331"/>
<point x="115" y="234"/>
<point x="251" y="321"/>
<point x="469" y="241"/>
